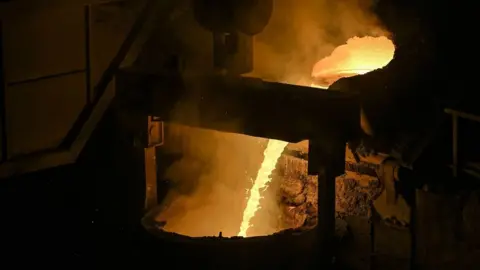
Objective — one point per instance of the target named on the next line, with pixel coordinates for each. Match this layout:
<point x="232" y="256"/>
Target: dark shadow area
<point x="83" y="213"/>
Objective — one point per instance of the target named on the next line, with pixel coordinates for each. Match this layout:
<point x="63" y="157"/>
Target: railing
<point x="471" y="168"/>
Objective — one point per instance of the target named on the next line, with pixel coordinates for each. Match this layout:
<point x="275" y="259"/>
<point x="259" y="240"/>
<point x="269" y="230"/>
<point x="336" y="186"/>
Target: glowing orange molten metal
<point x="271" y="155"/>
<point x="358" y="56"/>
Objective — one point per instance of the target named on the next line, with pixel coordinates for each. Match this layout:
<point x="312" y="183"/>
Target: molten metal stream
<point x="271" y="155"/>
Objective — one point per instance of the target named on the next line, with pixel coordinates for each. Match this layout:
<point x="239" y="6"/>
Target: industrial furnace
<point x="208" y="88"/>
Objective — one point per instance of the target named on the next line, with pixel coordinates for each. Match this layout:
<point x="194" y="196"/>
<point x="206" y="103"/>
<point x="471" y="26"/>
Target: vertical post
<point x="155" y="138"/>
<point x="455" y="143"/>
<point x="88" y="65"/>
<point x="3" y="109"/>
<point x="326" y="212"/>
<point x="327" y="160"/>
<point x="150" y="178"/>
<point x="413" y="228"/>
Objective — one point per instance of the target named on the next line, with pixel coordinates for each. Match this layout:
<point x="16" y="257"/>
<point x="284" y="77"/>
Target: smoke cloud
<point x="300" y="33"/>
<point x="211" y="180"/>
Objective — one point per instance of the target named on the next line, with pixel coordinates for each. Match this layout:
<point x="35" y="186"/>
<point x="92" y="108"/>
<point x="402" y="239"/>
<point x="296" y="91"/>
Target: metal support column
<point x="327" y="160"/>
<point x="455" y="144"/>
<point x="326" y="211"/>
<point x="155" y="138"/>
<point x="3" y="111"/>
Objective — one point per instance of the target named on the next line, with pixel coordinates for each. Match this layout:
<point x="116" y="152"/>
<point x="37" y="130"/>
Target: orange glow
<point x="216" y="193"/>
<point x="271" y="155"/>
<point x="358" y="56"/>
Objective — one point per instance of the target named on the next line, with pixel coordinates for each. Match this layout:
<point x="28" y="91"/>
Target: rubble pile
<point x="298" y="193"/>
<point x="354" y="199"/>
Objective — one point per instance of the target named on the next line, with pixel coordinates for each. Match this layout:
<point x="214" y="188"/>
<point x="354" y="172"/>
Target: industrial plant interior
<point x="239" y="134"/>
